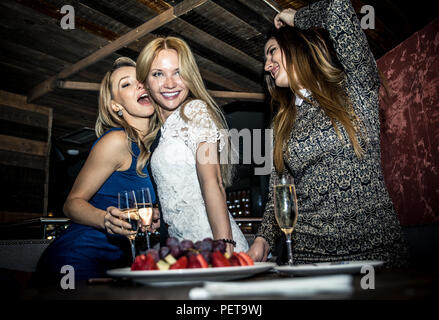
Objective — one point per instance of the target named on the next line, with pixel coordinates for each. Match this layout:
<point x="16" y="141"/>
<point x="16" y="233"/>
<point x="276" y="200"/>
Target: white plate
<point x="328" y="267"/>
<point x="190" y="276"/>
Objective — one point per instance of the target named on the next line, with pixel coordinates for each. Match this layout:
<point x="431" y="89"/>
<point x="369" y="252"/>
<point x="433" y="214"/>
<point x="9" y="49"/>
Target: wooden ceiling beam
<point x="77" y="85"/>
<point x="251" y="96"/>
<point x="203" y="38"/>
<point x="152" y="24"/>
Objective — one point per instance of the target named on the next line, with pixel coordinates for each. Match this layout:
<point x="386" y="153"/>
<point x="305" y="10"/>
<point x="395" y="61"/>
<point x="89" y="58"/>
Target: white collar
<point x="303" y="92"/>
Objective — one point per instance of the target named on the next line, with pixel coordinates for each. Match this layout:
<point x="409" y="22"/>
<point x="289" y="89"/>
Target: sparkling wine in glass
<point x="144" y="203"/>
<point x="128" y="204"/>
<point x="285" y="209"/>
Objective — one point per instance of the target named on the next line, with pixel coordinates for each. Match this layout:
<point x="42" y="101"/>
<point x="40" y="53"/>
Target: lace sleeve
<point x="201" y="127"/>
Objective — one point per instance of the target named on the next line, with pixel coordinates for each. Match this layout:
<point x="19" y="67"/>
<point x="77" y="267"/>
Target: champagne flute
<point x="128" y="204"/>
<point x="144" y="203"/>
<point x="285" y="209"/>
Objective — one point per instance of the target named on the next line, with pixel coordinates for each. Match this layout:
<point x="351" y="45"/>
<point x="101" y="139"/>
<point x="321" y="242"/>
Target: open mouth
<point x="143" y="99"/>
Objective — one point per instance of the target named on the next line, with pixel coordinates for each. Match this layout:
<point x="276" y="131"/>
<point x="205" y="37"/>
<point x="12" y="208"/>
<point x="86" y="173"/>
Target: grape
<point x="219" y="245"/>
<point x="172" y="241"/>
<point x="154" y="253"/>
<point x="187" y="244"/>
<point x="190" y="253"/>
<point x="206" y="244"/>
<point x="176" y="251"/>
<point x="197" y="245"/>
<point x="206" y="256"/>
<point x="164" y="251"/>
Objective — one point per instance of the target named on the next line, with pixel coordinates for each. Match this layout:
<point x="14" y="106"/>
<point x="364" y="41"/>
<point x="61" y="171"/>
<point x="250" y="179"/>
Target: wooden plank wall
<point x="25" y="135"/>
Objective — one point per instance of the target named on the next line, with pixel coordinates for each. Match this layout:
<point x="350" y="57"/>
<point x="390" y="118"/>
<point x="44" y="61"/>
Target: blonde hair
<point x="309" y="65"/>
<point x="191" y="76"/>
<point x="108" y="119"/>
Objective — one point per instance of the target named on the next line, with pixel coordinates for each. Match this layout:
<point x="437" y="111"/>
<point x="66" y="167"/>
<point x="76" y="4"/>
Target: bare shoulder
<point x="113" y="144"/>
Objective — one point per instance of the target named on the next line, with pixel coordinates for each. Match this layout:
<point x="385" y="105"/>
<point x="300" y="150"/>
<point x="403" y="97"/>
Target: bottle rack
<point x="239" y="205"/>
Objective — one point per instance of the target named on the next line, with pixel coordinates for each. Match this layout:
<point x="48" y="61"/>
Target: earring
<point x="119" y="113"/>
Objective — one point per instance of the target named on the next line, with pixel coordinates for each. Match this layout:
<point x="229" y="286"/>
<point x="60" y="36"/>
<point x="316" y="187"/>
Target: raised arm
<point x="348" y="39"/>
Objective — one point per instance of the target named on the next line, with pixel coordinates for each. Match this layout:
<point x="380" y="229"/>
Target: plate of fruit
<point x="186" y="262"/>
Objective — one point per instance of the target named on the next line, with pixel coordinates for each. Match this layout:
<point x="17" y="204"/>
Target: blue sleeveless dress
<point x="92" y="251"/>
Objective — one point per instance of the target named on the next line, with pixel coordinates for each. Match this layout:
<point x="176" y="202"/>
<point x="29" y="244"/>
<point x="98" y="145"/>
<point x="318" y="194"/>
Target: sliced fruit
<point x="181" y="263"/>
<point x="163" y="265"/>
<point x="144" y="262"/>
<point x="170" y="259"/>
<point x="193" y="262"/>
<point x="202" y="261"/>
<point x="218" y="260"/>
<point x="247" y="258"/>
<point x="240" y="259"/>
<point x="234" y="261"/>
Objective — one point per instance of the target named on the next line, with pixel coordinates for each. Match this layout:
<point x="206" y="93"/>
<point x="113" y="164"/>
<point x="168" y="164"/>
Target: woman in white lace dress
<point x="186" y="163"/>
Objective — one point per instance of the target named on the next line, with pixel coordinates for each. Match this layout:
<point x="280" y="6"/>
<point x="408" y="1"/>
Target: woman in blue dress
<point x="126" y="126"/>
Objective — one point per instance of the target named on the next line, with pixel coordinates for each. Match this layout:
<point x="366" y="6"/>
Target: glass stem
<point x="133" y="249"/>
<point x="148" y="244"/>
<point x="289" y="248"/>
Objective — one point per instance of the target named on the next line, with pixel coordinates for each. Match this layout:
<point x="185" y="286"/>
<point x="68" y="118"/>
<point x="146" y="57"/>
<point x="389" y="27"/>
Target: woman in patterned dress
<point x="326" y="135"/>
<point x="186" y="163"/>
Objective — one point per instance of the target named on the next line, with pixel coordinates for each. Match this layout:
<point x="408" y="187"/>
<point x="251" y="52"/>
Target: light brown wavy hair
<point x="108" y="119"/>
<point x="191" y="76"/>
<point x="307" y="53"/>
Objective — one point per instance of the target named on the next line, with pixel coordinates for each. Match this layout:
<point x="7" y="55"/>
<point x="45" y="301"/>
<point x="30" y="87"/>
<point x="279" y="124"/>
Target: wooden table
<point x="389" y="284"/>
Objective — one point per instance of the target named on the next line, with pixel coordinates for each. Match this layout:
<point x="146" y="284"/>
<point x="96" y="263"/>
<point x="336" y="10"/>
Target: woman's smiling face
<point x="275" y="62"/>
<point x="165" y="84"/>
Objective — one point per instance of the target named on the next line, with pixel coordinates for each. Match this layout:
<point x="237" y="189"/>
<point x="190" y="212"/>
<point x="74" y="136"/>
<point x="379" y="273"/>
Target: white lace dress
<point x="173" y="166"/>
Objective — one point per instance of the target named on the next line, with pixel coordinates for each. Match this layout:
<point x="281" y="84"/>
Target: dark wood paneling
<point x="9" y="128"/>
<point x="25" y="117"/>
<point x="18" y="159"/>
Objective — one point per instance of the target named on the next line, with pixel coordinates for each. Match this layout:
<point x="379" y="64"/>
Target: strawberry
<point x="193" y="262"/>
<point x="234" y="261"/>
<point x="241" y="261"/>
<point x="247" y="258"/>
<point x="218" y="260"/>
<point x="202" y="261"/>
<point x="180" y="264"/>
<point x="144" y="262"/>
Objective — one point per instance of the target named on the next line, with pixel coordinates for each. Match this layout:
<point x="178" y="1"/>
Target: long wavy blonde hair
<point x="190" y="74"/>
<point x="108" y="119"/>
<point x="309" y="64"/>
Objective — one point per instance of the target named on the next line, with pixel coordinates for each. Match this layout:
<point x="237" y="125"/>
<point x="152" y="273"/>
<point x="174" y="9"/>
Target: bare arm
<point x="108" y="155"/>
<point x="212" y="189"/>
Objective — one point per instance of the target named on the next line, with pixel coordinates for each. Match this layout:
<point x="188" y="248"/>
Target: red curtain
<point x="410" y="126"/>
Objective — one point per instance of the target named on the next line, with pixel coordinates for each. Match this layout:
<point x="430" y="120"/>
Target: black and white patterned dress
<point x="345" y="212"/>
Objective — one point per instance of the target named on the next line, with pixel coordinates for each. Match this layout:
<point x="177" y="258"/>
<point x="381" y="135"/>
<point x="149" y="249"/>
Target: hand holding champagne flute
<point x="285" y="209"/>
<point x="128" y="205"/>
